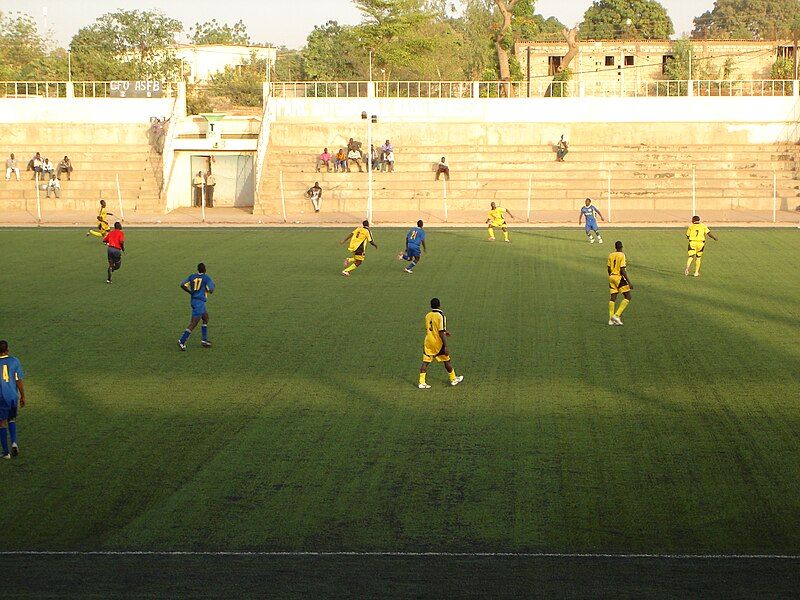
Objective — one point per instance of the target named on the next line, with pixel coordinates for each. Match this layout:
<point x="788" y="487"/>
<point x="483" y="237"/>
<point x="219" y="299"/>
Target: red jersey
<point x="115" y="238"/>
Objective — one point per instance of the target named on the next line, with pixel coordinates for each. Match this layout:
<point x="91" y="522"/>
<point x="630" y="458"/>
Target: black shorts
<point x="114" y="255"/>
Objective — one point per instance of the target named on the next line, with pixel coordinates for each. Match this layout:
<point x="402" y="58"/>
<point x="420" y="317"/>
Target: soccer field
<point x="303" y="429"/>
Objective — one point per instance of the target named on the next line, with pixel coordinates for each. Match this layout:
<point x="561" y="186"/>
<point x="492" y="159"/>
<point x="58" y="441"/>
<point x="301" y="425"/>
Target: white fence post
<point x="530" y="186"/>
<point x="283" y="198"/>
<point x="38" y="202"/>
<point x="444" y="197"/>
<point x="609" y="196"/>
<point x="119" y="197"/>
<point x="774" y="196"/>
<point x="203" y="202"/>
<point x="694" y="190"/>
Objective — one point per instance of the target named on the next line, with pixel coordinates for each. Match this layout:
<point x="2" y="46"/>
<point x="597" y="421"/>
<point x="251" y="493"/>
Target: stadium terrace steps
<point x="100" y="154"/>
<point x="489" y="163"/>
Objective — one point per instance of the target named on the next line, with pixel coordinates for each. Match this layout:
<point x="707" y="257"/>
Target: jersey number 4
<point x="5" y="373"/>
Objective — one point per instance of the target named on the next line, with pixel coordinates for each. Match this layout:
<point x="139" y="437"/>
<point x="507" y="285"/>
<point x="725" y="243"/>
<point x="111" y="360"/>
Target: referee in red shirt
<point x="115" y="240"/>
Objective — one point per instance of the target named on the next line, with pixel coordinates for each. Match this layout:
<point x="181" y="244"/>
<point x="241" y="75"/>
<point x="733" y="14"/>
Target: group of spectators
<point x="43" y="170"/>
<point x="381" y="158"/>
<point x="204" y="183"/>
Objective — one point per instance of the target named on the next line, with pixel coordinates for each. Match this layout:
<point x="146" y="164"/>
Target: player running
<point x="12" y="397"/>
<point x="415" y="238"/>
<point x="435" y="345"/>
<point x="497" y="220"/>
<point x="115" y="240"/>
<point x="198" y="286"/>
<point x="696" y="234"/>
<point x="619" y="283"/>
<point x="588" y="212"/>
<point x="102" y="222"/>
<point x="359" y="238"/>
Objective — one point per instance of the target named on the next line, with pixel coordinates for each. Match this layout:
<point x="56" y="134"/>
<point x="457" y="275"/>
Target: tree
<point x="527" y="25"/>
<point x="505" y="10"/>
<point x="747" y="19"/>
<point x="243" y="85"/>
<point x="20" y="45"/>
<point x="626" y="19"/>
<point x="333" y="52"/>
<point x="127" y="44"/>
<point x="212" y="32"/>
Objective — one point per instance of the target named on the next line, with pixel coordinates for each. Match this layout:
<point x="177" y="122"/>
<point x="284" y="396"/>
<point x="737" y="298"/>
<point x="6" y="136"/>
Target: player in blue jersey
<point x="588" y="212"/>
<point x="198" y="286"/>
<point x="12" y="397"/>
<point x="415" y="243"/>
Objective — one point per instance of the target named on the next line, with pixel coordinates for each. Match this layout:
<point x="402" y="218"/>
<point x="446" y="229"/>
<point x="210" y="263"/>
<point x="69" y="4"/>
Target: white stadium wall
<point x="84" y="110"/>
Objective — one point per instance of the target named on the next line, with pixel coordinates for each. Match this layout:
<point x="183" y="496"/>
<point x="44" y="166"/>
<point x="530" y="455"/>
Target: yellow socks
<point x="505" y="235"/>
<point x="422" y="377"/>
<point x="452" y="375"/>
<point x="689" y="262"/>
<point x="352" y="267"/>
<point x="697" y="264"/>
<point x="491" y="233"/>
<point x="610" y="308"/>
<point x="622" y="306"/>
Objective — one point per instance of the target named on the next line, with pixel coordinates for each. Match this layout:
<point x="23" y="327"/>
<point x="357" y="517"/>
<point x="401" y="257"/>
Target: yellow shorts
<point x="358" y="257"/>
<point x="496" y="224"/>
<point x="696" y="249"/>
<point x="431" y="354"/>
<point x="104" y="227"/>
<point x="618" y="284"/>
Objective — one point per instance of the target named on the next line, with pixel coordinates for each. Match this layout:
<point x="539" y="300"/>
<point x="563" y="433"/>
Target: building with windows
<point x="199" y="63"/>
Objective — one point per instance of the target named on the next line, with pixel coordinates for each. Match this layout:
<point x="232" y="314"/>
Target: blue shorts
<point x="198" y="308"/>
<point x="7" y="413"/>
<point x="591" y="225"/>
<point x="413" y="252"/>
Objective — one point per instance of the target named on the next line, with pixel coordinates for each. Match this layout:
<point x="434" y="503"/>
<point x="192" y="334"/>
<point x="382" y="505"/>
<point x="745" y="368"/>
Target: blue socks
<point x="185" y="336"/>
<point x="12" y="429"/>
<point x="411" y="265"/>
<point x="204" y="331"/>
<point x="4" y="441"/>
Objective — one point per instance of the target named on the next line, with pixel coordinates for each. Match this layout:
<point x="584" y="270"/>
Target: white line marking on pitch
<point x="629" y="556"/>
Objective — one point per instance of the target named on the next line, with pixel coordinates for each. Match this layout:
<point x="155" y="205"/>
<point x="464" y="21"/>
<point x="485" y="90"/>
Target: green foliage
<point x="783" y="68"/>
<point x="608" y="19"/>
<point x="21" y="46"/>
<point x="243" y="84"/>
<point x="333" y="52"/>
<point x="559" y="88"/>
<point x="527" y="25"/>
<point x="127" y="44"/>
<point x="289" y="66"/>
<point x="198" y="100"/>
<point x="749" y="20"/>
<point x="212" y="32"/>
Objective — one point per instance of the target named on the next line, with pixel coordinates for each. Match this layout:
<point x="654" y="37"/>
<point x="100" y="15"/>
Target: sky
<point x="275" y="22"/>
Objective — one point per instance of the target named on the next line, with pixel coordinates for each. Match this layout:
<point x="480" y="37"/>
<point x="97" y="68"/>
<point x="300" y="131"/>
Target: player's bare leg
<point x="112" y="266"/>
<point x="688" y="265"/>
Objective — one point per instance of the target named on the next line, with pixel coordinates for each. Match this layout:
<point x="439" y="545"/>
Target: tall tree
<point x="333" y="52"/>
<point x="748" y="19"/>
<point x="213" y="32"/>
<point x="20" y="45"/>
<point x="623" y="19"/>
<point x="505" y="10"/>
<point x="127" y="44"/>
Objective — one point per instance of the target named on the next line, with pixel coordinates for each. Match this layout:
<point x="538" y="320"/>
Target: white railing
<point x="67" y="89"/>
<point x="535" y="88"/>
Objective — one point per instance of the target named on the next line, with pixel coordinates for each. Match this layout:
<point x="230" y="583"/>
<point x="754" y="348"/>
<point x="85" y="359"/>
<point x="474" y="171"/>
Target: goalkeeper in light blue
<point x="415" y="243"/>
<point x="590" y="212"/>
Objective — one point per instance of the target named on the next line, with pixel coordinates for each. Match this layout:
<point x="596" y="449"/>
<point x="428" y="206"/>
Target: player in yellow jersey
<point x="618" y="283"/>
<point x="497" y="219"/>
<point x="359" y="238"/>
<point x="435" y="345"/>
<point x="696" y="234"/>
<point x="102" y="222"/>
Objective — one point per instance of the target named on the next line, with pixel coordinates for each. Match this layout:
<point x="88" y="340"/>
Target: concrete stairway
<point x="99" y="155"/>
<point x="656" y="176"/>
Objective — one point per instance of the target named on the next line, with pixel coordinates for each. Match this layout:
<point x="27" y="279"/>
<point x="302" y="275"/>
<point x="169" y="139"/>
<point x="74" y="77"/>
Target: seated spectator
<point x="48" y="168"/>
<point x="340" y="164"/>
<point x="354" y="156"/>
<point x="442" y="168"/>
<point x="387" y="163"/>
<point x="375" y="158"/>
<point x="562" y="148"/>
<point x="35" y="165"/>
<point x="54" y="185"/>
<point x="324" y="159"/>
<point x="12" y="167"/>
<point x="65" y="166"/>
<point x="354" y="145"/>
<point x="314" y="194"/>
<point x="387" y="147"/>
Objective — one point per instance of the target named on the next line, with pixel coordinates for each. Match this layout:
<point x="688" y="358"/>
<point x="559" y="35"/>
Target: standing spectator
<point x="54" y="185"/>
<point x="35" y="165"/>
<point x="65" y="166"/>
<point x="197" y="186"/>
<point x="210" y="183"/>
<point x="324" y="159"/>
<point x="48" y="168"/>
<point x="314" y="194"/>
<point x="442" y="168"/>
<point x="387" y="164"/>
<point x="354" y="156"/>
<point x="12" y="167"/>
<point x="562" y="148"/>
<point x="340" y="164"/>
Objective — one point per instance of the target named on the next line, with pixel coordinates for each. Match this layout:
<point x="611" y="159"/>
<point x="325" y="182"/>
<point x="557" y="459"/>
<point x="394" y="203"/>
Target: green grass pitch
<point x="302" y="429"/>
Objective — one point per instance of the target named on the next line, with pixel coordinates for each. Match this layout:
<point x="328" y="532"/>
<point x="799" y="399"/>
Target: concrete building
<point x="646" y="60"/>
<point x="201" y="62"/>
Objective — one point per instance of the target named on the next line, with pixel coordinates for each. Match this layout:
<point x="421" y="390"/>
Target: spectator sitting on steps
<point x="354" y="145"/>
<point x="340" y="164"/>
<point x="314" y="194"/>
<point x="35" y="165"/>
<point x="562" y="148"/>
<point x="387" y="163"/>
<point x="376" y="158"/>
<point x="442" y="168"/>
<point x="12" y="167"/>
<point x="48" y="168"/>
<point x="65" y="166"/>
<point x="54" y="185"/>
<point x="354" y="156"/>
<point x="324" y="159"/>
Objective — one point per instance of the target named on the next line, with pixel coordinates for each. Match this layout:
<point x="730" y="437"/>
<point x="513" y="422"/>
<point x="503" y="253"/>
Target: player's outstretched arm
<point x="373" y="244"/>
<point x="713" y="237"/>
<point x="580" y="218"/>
<point x="599" y="214"/>
<point x="349" y="235"/>
<point x="510" y="215"/>
<point x="21" y="390"/>
<point x="424" y="247"/>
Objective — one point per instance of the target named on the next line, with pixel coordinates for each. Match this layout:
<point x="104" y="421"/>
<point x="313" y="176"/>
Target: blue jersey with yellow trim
<point x="199" y="285"/>
<point x="10" y="373"/>
<point x="415" y="237"/>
